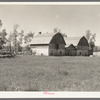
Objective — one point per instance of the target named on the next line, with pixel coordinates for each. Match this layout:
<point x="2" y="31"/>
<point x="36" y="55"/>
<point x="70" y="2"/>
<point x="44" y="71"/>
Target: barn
<point x="83" y="48"/>
<point x="71" y="45"/>
<point x="71" y="50"/>
<point x="77" y="46"/>
<point x="49" y="44"/>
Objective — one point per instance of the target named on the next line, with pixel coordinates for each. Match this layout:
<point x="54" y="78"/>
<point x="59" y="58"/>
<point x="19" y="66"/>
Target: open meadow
<point x="31" y="73"/>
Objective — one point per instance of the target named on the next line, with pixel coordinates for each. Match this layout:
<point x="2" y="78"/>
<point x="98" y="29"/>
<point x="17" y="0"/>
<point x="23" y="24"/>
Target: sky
<point x="73" y="20"/>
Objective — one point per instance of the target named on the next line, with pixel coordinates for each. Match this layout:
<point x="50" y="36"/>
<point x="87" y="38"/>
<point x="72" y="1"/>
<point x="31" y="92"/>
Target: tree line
<point x="15" y="38"/>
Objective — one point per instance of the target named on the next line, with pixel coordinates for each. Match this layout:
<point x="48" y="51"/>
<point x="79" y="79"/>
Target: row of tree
<point x="15" y="39"/>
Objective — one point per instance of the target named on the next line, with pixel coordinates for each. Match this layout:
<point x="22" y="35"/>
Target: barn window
<point x="57" y="46"/>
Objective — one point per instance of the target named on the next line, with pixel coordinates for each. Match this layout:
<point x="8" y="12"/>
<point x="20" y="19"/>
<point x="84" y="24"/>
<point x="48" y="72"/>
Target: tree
<point x="16" y="38"/>
<point x="28" y="38"/>
<point x="88" y="34"/>
<point x="0" y="23"/>
<point x="20" y="40"/>
<point x="91" y="39"/>
<point x="3" y="33"/>
<point x="20" y="37"/>
<point x="3" y="39"/>
<point x="2" y="42"/>
<point x="64" y="34"/>
<point x="55" y="30"/>
<point x="15" y="34"/>
<point x="94" y="37"/>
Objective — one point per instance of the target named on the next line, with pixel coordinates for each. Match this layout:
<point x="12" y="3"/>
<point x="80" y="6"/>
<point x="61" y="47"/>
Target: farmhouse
<point x="77" y="46"/>
<point x="49" y="44"/>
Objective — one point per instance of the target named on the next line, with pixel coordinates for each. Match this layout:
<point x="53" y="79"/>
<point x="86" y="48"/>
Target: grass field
<point x="30" y="73"/>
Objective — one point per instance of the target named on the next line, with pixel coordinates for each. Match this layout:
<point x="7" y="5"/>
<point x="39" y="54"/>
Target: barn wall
<point x="82" y="53"/>
<point x="70" y="52"/>
<point x="56" y="52"/>
<point x="40" y="50"/>
<point x="82" y="48"/>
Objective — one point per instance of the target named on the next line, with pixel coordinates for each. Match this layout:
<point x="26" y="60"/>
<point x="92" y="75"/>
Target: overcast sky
<point x="72" y="20"/>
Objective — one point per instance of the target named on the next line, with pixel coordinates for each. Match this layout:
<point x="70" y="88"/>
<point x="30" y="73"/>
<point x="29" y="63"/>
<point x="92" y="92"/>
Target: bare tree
<point x="15" y="34"/>
<point x="88" y="34"/>
<point x="91" y="39"/>
<point x="15" y="38"/>
<point x="20" y="40"/>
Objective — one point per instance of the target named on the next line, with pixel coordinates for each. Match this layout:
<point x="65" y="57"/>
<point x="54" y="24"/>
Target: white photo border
<point x="59" y="94"/>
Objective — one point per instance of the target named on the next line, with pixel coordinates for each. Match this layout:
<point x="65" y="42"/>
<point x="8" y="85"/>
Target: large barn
<point x="49" y="44"/>
<point x="77" y="46"/>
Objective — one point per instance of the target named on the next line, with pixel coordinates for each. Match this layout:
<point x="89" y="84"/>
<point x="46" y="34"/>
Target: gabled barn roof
<point x="42" y="38"/>
<point x="72" y="40"/>
<point x="71" y="47"/>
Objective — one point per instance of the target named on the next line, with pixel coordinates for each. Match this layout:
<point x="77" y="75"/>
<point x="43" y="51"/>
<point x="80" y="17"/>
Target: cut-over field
<point x="31" y="73"/>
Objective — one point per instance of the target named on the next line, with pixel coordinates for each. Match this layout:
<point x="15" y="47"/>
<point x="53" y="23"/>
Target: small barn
<point x="71" y="45"/>
<point x="71" y="50"/>
<point x="49" y="44"/>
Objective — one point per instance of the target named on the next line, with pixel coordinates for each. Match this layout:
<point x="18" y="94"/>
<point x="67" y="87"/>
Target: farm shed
<point x="71" y="50"/>
<point x="77" y="46"/>
<point x="49" y="44"/>
<point x="71" y="45"/>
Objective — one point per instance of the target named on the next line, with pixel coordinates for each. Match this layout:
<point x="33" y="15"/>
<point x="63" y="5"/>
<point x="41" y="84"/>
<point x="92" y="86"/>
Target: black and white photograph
<point x="49" y="47"/>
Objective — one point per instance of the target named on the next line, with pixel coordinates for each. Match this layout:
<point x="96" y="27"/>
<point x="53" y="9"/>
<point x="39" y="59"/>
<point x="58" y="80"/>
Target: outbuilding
<point x="83" y="48"/>
<point x="71" y="45"/>
<point x="77" y="46"/>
